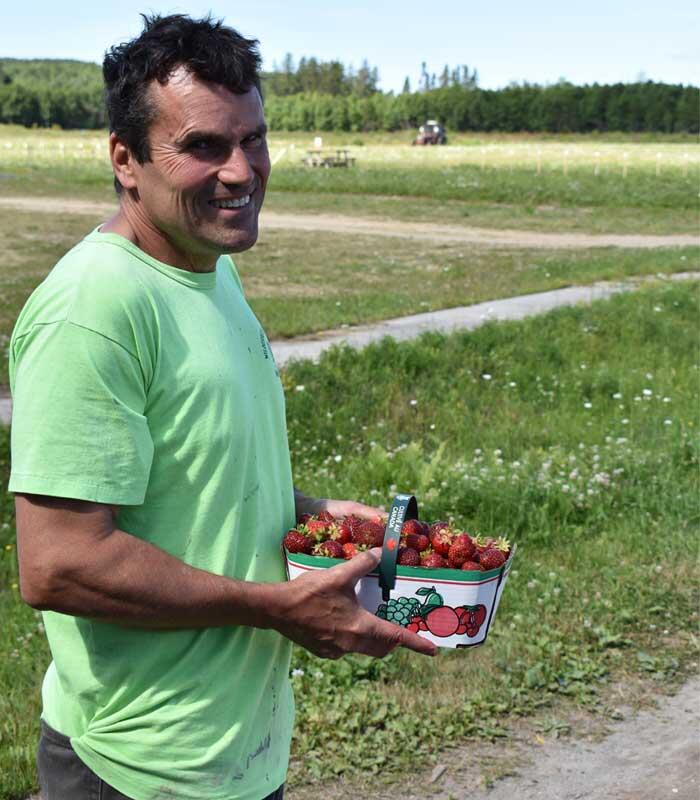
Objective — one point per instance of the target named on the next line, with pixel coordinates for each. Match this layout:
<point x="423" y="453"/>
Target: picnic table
<point x="328" y="158"/>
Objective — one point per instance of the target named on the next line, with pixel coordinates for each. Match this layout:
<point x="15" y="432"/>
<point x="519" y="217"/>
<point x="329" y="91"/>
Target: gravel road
<point x="330" y="223"/>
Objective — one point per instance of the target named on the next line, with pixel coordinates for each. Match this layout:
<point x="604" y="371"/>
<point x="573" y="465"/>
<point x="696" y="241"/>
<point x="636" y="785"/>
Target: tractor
<point x="431" y="133"/>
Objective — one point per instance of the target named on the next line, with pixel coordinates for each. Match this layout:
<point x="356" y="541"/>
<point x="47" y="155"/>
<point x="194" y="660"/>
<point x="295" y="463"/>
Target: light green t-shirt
<point x="141" y="385"/>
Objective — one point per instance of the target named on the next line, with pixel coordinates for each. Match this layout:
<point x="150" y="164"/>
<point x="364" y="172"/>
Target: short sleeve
<point x="78" y="423"/>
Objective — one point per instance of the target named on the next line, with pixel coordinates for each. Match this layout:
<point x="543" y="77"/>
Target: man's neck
<point x="127" y="222"/>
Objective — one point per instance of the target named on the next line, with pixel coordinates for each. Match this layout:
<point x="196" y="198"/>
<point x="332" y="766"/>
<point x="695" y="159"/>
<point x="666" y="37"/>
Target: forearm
<point x="306" y="505"/>
<point x="128" y="581"/>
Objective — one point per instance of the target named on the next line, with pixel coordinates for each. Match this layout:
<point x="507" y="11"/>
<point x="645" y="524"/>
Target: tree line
<point x="326" y="96"/>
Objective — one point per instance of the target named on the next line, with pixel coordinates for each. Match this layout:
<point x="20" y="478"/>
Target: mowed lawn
<point x="576" y="435"/>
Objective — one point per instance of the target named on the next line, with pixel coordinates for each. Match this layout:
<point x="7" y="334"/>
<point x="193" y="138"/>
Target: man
<point x="150" y="460"/>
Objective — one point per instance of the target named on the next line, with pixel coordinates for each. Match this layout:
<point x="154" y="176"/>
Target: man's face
<point x="205" y="183"/>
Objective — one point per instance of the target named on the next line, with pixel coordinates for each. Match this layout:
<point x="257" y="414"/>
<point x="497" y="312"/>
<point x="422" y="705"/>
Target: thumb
<point x="359" y="566"/>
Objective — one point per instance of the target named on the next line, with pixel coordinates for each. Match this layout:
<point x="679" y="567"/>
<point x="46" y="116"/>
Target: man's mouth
<point x="236" y="202"/>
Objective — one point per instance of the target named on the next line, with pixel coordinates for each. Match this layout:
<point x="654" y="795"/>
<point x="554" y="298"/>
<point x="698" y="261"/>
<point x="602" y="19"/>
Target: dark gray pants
<point x="63" y="776"/>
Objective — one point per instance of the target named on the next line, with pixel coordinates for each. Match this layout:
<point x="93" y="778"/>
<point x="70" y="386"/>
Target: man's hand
<point x="339" y="508"/>
<point x="320" y="612"/>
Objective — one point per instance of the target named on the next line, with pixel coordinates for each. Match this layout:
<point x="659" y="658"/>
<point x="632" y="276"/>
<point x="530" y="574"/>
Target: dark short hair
<point x="207" y="48"/>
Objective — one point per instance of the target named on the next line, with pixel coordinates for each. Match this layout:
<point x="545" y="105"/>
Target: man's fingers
<point x="358" y="566"/>
<point x="400" y="637"/>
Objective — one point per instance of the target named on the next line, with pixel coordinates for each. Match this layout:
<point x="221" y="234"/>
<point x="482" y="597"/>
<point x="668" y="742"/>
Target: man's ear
<point x="122" y="162"/>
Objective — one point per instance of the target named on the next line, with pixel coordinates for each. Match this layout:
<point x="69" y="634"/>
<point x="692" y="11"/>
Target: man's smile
<point x="235" y="202"/>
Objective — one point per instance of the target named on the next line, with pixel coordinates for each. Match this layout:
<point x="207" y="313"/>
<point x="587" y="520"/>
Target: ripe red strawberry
<point x="412" y="526"/>
<point x="482" y="543"/>
<point x="303" y="519"/>
<point x="349" y="524"/>
<point x="459" y="552"/>
<point x="472" y="566"/>
<point x="408" y="557"/>
<point x="296" y="542"/>
<point x="330" y="549"/>
<point x="492" y="558"/>
<point x="441" y="537"/>
<point x="319" y="530"/>
<point x="350" y="550"/>
<point x="465" y="539"/>
<point x="503" y="545"/>
<point x="437" y="526"/>
<point x="433" y="561"/>
<point x="417" y="541"/>
<point x="326" y="516"/>
<point x="369" y="533"/>
<point x="339" y="533"/>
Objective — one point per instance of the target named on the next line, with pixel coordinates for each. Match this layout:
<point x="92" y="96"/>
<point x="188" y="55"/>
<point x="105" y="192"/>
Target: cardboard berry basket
<point x="452" y="608"/>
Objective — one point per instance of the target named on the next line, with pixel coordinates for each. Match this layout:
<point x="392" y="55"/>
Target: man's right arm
<point x="75" y="560"/>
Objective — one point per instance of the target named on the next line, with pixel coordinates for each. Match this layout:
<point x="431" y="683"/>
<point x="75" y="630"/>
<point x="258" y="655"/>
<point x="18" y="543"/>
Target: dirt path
<point x="651" y="755"/>
<point x="330" y="223"/>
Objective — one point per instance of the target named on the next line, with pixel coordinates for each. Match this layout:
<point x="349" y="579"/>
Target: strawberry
<point x="472" y="566"/>
<point x="318" y="529"/>
<point x="416" y="541"/>
<point x="408" y="557"/>
<point x="482" y="543"/>
<point x="503" y="545"/>
<point x="492" y="558"/>
<point x="326" y="516"/>
<point x="437" y="526"/>
<point x="340" y="533"/>
<point x="350" y="550"/>
<point x="369" y="532"/>
<point x="329" y="549"/>
<point x="461" y="550"/>
<point x="412" y="526"/>
<point x="303" y="519"/>
<point x="296" y="542"/>
<point x="465" y="539"/>
<point x="349" y="524"/>
<point x="433" y="561"/>
<point x="441" y="537"/>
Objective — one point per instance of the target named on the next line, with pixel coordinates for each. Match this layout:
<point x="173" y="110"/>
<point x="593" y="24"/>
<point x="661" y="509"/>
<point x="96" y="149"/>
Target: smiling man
<point x="150" y="460"/>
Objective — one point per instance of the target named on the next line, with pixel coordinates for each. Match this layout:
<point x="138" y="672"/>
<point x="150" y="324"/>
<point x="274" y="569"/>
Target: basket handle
<point x="405" y="506"/>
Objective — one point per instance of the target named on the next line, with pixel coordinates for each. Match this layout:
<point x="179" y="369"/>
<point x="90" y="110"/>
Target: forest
<point x="314" y="95"/>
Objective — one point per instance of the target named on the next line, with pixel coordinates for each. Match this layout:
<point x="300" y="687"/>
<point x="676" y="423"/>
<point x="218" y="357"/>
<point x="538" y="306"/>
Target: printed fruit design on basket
<point x="437" y="545"/>
<point x="433" y="615"/>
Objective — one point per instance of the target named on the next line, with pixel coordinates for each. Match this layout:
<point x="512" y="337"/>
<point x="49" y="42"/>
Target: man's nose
<point x="237" y="169"/>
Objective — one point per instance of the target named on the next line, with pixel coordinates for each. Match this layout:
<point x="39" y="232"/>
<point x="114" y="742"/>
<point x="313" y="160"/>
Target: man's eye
<point x="254" y="140"/>
<point x="200" y="144"/>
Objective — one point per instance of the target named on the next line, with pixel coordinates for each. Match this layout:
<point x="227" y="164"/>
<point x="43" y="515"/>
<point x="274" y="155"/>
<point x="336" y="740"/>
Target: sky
<point x="602" y="41"/>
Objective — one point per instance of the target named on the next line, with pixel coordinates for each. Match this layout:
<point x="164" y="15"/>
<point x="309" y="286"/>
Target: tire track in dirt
<point x="424" y="231"/>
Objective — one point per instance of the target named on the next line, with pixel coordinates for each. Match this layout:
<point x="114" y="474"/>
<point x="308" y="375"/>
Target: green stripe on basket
<point x="322" y="562"/>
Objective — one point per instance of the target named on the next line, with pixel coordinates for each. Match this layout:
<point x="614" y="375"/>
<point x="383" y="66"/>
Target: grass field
<point x="343" y="279"/>
<point x="574" y="433"/>
<point x="532" y="182"/>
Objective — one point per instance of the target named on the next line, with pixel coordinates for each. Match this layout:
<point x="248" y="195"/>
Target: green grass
<point x="343" y="279"/>
<point x="485" y="180"/>
<point x="514" y="214"/>
<point x="575" y="433"/>
<point x="581" y="187"/>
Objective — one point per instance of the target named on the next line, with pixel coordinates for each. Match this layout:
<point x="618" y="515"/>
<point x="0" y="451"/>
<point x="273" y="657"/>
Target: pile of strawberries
<point x="434" y="546"/>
